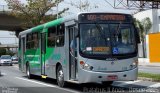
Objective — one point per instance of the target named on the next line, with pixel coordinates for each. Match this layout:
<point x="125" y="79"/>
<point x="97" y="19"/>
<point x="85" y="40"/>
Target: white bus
<point x="88" y="47"/>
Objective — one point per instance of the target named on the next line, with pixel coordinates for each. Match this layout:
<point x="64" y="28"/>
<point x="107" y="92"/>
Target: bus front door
<point x="72" y="54"/>
<point x="43" y="52"/>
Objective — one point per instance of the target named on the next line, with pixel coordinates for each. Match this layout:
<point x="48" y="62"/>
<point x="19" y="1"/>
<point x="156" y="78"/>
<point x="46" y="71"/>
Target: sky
<point x="7" y="37"/>
<point x="102" y="7"/>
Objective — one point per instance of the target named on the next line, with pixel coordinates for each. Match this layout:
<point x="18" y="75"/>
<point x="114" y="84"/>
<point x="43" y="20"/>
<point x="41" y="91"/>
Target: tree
<point x="83" y="5"/>
<point x="34" y="12"/>
<point x="147" y="24"/>
<point x="2" y="51"/>
<point x="144" y="26"/>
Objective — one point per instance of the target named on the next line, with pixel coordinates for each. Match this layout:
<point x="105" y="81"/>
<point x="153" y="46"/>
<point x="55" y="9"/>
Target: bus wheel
<point x="107" y="83"/>
<point x="28" y="72"/>
<point x="60" y="77"/>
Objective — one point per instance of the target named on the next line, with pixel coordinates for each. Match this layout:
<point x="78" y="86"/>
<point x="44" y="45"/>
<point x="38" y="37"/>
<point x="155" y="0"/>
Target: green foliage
<point x="82" y="5"/>
<point x="9" y="53"/>
<point x="144" y="26"/>
<point x="34" y="12"/>
<point x="155" y="77"/>
<point x="146" y="22"/>
<point x="2" y="51"/>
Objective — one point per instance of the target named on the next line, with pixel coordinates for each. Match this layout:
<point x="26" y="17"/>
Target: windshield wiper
<point x="118" y="28"/>
<point x="99" y="28"/>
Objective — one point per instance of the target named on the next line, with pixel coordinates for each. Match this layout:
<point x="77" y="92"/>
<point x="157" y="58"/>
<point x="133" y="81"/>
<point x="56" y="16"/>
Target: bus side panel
<point x="33" y="57"/>
<point x="53" y="57"/>
<point x="51" y="60"/>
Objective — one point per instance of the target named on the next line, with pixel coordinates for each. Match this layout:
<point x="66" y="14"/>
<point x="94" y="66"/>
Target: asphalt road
<point x="149" y="69"/>
<point x="14" y="81"/>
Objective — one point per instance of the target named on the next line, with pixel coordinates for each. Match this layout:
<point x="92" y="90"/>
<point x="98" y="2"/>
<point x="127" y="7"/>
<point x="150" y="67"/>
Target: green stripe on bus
<point x="54" y="23"/>
<point x="37" y="28"/>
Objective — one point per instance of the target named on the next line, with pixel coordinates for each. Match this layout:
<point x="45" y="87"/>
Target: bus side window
<point x="60" y="35"/>
<point x="35" y="40"/>
<point x="32" y="41"/>
<point x="51" y="37"/>
<point x="29" y="38"/>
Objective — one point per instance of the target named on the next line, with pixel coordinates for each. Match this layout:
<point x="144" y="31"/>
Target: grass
<point x="154" y="77"/>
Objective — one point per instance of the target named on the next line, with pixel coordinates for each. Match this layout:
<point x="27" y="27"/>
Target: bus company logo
<point x="111" y="59"/>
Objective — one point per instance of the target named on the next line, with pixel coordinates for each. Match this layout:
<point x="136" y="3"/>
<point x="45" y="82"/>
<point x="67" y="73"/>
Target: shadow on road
<point x="86" y="88"/>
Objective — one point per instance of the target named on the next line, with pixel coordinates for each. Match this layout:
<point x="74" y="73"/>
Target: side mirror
<point x="137" y="35"/>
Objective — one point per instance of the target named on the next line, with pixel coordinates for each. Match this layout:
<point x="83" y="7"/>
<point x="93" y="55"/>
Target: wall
<point x="154" y="47"/>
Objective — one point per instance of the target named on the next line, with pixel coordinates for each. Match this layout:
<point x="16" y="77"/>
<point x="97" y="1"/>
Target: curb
<point x="147" y="79"/>
<point x="149" y="65"/>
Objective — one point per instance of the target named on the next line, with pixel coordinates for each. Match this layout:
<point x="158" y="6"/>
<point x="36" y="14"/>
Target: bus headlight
<point x="134" y="64"/>
<point x="86" y="66"/>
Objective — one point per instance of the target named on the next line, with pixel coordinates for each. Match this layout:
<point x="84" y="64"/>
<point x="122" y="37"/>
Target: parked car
<point x="5" y="59"/>
<point x="14" y="59"/>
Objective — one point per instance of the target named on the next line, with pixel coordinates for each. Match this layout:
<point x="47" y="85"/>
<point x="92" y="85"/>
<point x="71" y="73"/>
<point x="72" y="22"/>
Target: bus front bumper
<point x="96" y="77"/>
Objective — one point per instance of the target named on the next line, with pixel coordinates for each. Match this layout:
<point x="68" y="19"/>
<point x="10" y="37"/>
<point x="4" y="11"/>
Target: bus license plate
<point x="112" y="77"/>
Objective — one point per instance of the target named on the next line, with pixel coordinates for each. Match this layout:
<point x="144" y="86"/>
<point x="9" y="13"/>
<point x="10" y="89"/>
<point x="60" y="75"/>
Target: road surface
<point x="14" y="81"/>
<point x="149" y="69"/>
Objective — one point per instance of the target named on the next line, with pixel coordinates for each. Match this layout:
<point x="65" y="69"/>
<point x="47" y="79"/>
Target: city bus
<point x="83" y="48"/>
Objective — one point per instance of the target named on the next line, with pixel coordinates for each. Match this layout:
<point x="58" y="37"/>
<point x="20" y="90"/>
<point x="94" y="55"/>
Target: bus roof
<point x="48" y="24"/>
<point x="58" y="21"/>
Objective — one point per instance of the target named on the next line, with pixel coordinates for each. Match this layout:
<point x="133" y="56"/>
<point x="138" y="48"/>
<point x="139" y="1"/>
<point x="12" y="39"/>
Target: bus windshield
<point x="107" y="39"/>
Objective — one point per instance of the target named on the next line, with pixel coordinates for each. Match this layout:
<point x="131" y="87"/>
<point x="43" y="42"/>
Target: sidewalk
<point x="145" y="62"/>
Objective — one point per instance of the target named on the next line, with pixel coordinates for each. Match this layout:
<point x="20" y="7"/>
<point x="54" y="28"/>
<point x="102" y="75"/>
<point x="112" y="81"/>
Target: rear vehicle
<point x="14" y="59"/>
<point x="5" y="60"/>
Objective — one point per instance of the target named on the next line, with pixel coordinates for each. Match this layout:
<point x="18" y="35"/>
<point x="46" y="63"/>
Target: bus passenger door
<point x="22" y="54"/>
<point x="72" y="54"/>
<point x="43" y="52"/>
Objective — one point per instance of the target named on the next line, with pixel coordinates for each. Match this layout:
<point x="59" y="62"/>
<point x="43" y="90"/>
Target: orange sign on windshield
<point x="101" y="49"/>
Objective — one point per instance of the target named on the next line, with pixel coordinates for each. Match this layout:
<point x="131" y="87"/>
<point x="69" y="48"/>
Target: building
<point x="152" y="43"/>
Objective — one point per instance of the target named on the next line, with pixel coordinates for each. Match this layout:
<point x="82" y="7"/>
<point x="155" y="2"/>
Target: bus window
<point x="60" y="35"/>
<point x="32" y="41"/>
<point x="35" y="40"/>
<point x="51" y="36"/>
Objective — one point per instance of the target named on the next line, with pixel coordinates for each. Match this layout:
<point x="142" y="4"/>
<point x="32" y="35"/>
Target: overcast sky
<point x="7" y="37"/>
<point x="102" y="7"/>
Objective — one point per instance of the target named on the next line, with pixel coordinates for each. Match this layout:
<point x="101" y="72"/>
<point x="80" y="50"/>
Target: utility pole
<point x="80" y="6"/>
<point x="57" y="8"/>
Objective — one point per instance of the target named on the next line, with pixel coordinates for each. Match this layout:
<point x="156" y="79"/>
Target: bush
<point x="2" y="51"/>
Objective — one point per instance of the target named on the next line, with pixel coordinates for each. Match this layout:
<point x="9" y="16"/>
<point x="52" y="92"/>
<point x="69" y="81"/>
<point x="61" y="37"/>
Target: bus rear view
<point x="107" y="48"/>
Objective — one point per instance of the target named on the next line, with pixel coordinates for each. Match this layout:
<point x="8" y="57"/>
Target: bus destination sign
<point x="104" y="17"/>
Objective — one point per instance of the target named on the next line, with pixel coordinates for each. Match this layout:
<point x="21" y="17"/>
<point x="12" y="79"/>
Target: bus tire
<point x="107" y="83"/>
<point x="60" y="76"/>
<point x="28" y="72"/>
